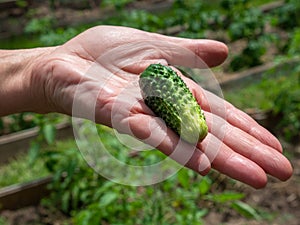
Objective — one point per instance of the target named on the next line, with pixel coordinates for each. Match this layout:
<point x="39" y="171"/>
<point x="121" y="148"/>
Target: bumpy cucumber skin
<point x="166" y="94"/>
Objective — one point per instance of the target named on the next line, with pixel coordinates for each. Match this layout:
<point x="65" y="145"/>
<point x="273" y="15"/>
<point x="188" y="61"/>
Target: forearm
<point x="15" y="79"/>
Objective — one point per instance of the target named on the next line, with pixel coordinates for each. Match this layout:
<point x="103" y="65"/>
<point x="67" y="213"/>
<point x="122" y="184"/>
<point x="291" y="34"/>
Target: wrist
<point x="17" y="92"/>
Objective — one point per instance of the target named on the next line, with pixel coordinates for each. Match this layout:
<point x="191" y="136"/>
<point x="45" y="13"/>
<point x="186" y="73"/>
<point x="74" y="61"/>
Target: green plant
<point x="250" y="56"/>
<point x="278" y="93"/>
<point x="48" y="31"/>
<point x="195" y="17"/>
<point x="294" y="43"/>
<point x="169" y="98"/>
<point x="20" y="170"/>
<point x="287" y="16"/>
<point x="139" y="19"/>
<point x="16" y="122"/>
<point x="246" y="210"/>
<point x="40" y="25"/>
<point x="22" y="3"/>
<point x="46" y="134"/>
<point x="21" y="121"/>
<point x="236" y="20"/>
<point x="283" y="92"/>
<point x="287" y="106"/>
<point x="3" y="221"/>
<point x="184" y="198"/>
<point x="74" y="183"/>
<point x="243" y="21"/>
<point x="117" y="4"/>
<point x="58" y="36"/>
<point x="248" y="23"/>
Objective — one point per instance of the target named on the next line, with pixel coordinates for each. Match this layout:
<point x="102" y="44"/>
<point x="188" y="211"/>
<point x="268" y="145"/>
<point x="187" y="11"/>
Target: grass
<point x="3" y="221"/>
<point x="242" y="98"/>
<point x="20" y="170"/>
<point x="278" y="94"/>
<point x="262" y="93"/>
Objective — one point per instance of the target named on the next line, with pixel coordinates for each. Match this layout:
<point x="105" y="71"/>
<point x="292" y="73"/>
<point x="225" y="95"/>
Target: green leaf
<point x="65" y="201"/>
<point x="49" y="132"/>
<point x="75" y="196"/>
<point x="225" y="197"/>
<point x="204" y="185"/>
<point x="245" y="210"/>
<point x="201" y="213"/>
<point x="34" y="151"/>
<point x="89" y="216"/>
<point x="39" y="25"/>
<point x="183" y="178"/>
<point x="21" y="3"/>
<point x="3" y="221"/>
<point x="108" y="198"/>
<point x="105" y="187"/>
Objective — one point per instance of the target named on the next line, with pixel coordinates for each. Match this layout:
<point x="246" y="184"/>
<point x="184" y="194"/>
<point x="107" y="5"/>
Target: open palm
<point x="95" y="76"/>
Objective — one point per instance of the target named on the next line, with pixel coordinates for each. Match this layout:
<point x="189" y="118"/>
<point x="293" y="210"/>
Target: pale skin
<point x="45" y="80"/>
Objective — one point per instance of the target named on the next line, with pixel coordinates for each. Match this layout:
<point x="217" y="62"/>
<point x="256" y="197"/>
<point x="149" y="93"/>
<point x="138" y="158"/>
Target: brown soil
<point x="35" y="215"/>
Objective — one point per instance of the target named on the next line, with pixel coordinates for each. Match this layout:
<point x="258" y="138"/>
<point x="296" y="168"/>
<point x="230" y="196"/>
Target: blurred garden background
<point x="260" y="76"/>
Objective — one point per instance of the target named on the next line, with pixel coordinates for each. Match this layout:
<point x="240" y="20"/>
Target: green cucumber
<point x="166" y="94"/>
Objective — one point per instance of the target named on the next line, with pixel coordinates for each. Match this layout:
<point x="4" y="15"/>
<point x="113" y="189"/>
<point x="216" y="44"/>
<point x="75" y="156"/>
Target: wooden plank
<point x="13" y="144"/>
<point x="22" y="195"/>
<point x="240" y="80"/>
<point x="7" y="4"/>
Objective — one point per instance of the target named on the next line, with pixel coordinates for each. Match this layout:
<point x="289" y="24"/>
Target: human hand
<point x="98" y="70"/>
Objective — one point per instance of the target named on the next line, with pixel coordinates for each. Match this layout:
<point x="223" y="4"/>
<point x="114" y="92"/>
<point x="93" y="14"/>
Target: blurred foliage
<point x="236" y="19"/>
<point x="40" y="25"/>
<point x="48" y="34"/>
<point x="22" y="3"/>
<point x="287" y="16"/>
<point x="75" y="4"/>
<point x="278" y="93"/>
<point x="16" y="122"/>
<point x="139" y="19"/>
<point x="18" y="171"/>
<point x="294" y="44"/>
<point x="117" y="4"/>
<point x="3" y="221"/>
<point x="46" y="133"/>
<point x="184" y="198"/>
<point x="245" y="22"/>
<point x="287" y="106"/>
